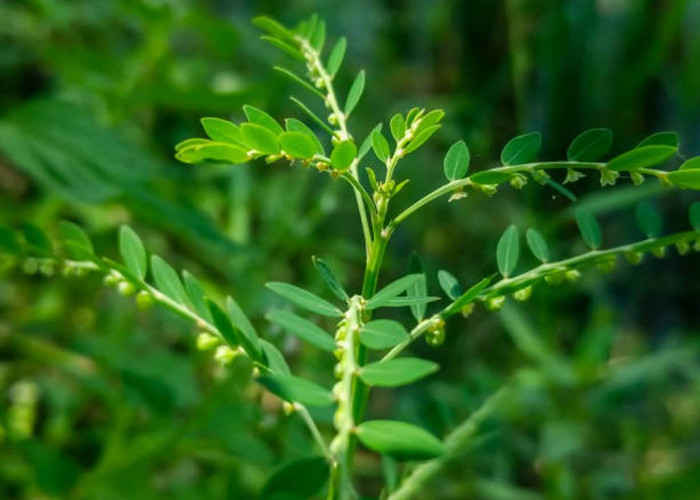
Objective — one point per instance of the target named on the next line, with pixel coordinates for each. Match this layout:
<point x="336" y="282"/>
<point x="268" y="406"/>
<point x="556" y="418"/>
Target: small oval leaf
<point x="521" y="149"/>
<point x="449" y="284"/>
<point x="355" y="92"/>
<point x="589" y="228"/>
<point x="297" y="145"/>
<point x="641" y="157"/>
<point x="661" y="139"/>
<point x="397" y="372"/>
<point x="590" y="145"/>
<point x="380" y="145"/>
<point x="260" y="117"/>
<point x="167" y="280"/>
<point x="305" y="299"/>
<point x="343" y="154"/>
<point x="391" y="290"/>
<point x="537" y="244"/>
<point x="648" y="220"/>
<point x="508" y="251"/>
<point x="133" y="252"/>
<point x="329" y="278"/>
<point x="456" y="162"/>
<point x="382" y="334"/>
<point x="304" y="329"/>
<point x="399" y="440"/>
<point x="296" y="389"/>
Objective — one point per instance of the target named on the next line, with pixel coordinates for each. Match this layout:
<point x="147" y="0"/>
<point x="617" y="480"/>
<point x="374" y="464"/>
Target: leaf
<point x="285" y="47"/>
<point x="355" y="92"/>
<point x="335" y="59"/>
<point x="305" y="299"/>
<point x="397" y="125"/>
<point x="521" y="149"/>
<point x="694" y="216"/>
<point x="260" y="117"/>
<point x="641" y="157"/>
<point x="419" y="290"/>
<point x="399" y="440"/>
<point x="490" y="177"/>
<point x="693" y="163"/>
<point x="220" y="130"/>
<point x="590" y="230"/>
<point x="213" y="151"/>
<point x="301" y="478"/>
<point x="661" y="139"/>
<point x="223" y="323"/>
<point x="397" y="372"/>
<point x="318" y="37"/>
<point x="296" y="389"/>
<point x="468" y="297"/>
<point x="590" y="145"/>
<point x="420" y="138"/>
<point x="367" y="143"/>
<point x="430" y="119"/>
<point x="409" y="301"/>
<point x="312" y="115"/>
<point x="39" y="244"/>
<point x="77" y="243"/>
<point x="249" y="337"/>
<point x="329" y="278"/>
<point x="508" y="251"/>
<point x="298" y="79"/>
<point x="196" y="294"/>
<point x="449" y="284"/>
<point x="380" y="145"/>
<point x="275" y="360"/>
<point x="167" y="280"/>
<point x="343" y="154"/>
<point x="133" y="252"/>
<point x="382" y="334"/>
<point x="688" y="178"/>
<point x="297" y="145"/>
<point x="294" y="125"/>
<point x="260" y="138"/>
<point x="391" y="290"/>
<point x="273" y="27"/>
<point x="191" y="142"/>
<point x="304" y="329"/>
<point x="648" y="220"/>
<point x="538" y="245"/>
<point x="456" y="162"/>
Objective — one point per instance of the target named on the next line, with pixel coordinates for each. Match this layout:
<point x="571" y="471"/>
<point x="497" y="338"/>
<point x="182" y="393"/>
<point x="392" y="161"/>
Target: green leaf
<point x="39" y="244"/>
<point x="367" y="143"/>
<point x="590" y="230"/>
<point x="382" y="334"/>
<point x="260" y="117"/>
<point x="305" y="299"/>
<point x="449" y="284"/>
<point x="301" y="478"/>
<point x="648" y="220"/>
<point x="430" y="119"/>
<point x="312" y="115"/>
<point x="419" y="290"/>
<point x="260" y="138"/>
<point x="298" y="79"/>
<point x="468" y="297"/>
<point x="213" y="151"/>
<point x="688" y="178"/>
<point x="399" y="440"/>
<point x="508" y="251"/>
<point x="167" y="280"/>
<point x="355" y="92"/>
<point x="191" y="142"/>
<point x="220" y="130"/>
<point x="294" y="125"/>
<point x="490" y="177"/>
<point x="273" y="27"/>
<point x="335" y="59"/>
<point x="391" y="290"/>
<point x="408" y="301"/>
<point x="297" y="145"/>
<point x="590" y="145"/>
<point x="694" y="216"/>
<point x="296" y="389"/>
<point x="77" y="243"/>
<point x="8" y="241"/>
<point x="343" y="154"/>
<point x="693" y="163"/>
<point x="420" y="138"/>
<point x="538" y="245"/>
<point x="249" y="337"/>
<point x="380" y="145"/>
<point x="329" y="278"/>
<point x="223" y="324"/>
<point x="275" y="359"/>
<point x="397" y="125"/>
<point x="456" y="162"/>
<point x="196" y="294"/>
<point x="304" y="329"/>
<point x="318" y="37"/>
<point x="661" y="139"/>
<point x="521" y="149"/>
<point x="397" y="372"/>
<point x="133" y="252"/>
<point x="285" y="47"/>
<point x="642" y="157"/>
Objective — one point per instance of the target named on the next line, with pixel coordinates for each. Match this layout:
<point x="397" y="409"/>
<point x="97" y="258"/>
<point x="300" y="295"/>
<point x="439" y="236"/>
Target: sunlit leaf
<point x="335" y="59"/>
<point x="456" y="162"/>
<point x="343" y="154"/>
<point x="260" y="138"/>
<point x="220" y="130"/>
<point x="397" y="125"/>
<point x="397" y="372"/>
<point x="400" y="440"/>
<point x="382" y="334"/>
<point x="260" y="117"/>
<point x="380" y="145"/>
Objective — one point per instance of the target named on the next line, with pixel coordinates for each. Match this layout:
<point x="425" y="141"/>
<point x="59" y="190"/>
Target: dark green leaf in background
<point x="296" y="389"/>
<point x="133" y="252"/>
<point x="328" y="276"/>
<point x="589" y="228"/>
<point x="590" y="145"/>
<point x="521" y="149"/>
<point x="508" y="251"/>
<point x="648" y="220"/>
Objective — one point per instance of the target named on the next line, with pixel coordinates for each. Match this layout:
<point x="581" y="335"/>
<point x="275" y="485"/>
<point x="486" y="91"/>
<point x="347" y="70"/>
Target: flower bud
<point x="523" y="294"/>
<point x="126" y="288"/>
<point x="46" y="269"/>
<point x="554" y="279"/>
<point x="682" y="247"/>
<point x="30" y="266"/>
<point x="518" y="181"/>
<point x="608" y="177"/>
<point x="332" y="119"/>
<point x="288" y="408"/>
<point x="495" y="303"/>
<point x="206" y="341"/>
<point x="144" y="301"/>
<point x="637" y="178"/>
<point x="572" y="275"/>
<point x="224" y="354"/>
<point x="634" y="257"/>
<point x="659" y="251"/>
<point x="606" y="264"/>
<point x="467" y="310"/>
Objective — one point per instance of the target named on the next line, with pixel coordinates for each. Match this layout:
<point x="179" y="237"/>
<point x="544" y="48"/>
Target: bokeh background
<point x="99" y="400"/>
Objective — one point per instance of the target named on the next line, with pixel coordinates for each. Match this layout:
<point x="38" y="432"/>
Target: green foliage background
<point x="99" y="400"/>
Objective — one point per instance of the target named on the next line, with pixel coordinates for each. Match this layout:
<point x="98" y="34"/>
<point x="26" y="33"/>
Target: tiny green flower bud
<point x="144" y="301"/>
<point x="269" y="159"/>
<point x="487" y="189"/>
<point x="30" y="266"/>
<point x="637" y="178"/>
<point x="682" y="247"/>
<point x="319" y="83"/>
<point x="112" y="279"/>
<point x="224" y="354"/>
<point x="572" y="176"/>
<point x="659" y="251"/>
<point x="518" y="181"/>
<point x="495" y="303"/>
<point x="339" y="354"/>
<point x="435" y="338"/>
<point x="126" y="288"/>
<point x="608" y="177"/>
<point x="457" y="195"/>
<point x="554" y="279"/>
<point x="572" y="275"/>
<point x="206" y="341"/>
<point x="606" y="264"/>
<point x="332" y="119"/>
<point x="467" y="310"/>
<point x="338" y="371"/>
<point x="634" y="257"/>
<point x="523" y="294"/>
<point x="46" y="269"/>
<point x="540" y="176"/>
<point x="288" y="408"/>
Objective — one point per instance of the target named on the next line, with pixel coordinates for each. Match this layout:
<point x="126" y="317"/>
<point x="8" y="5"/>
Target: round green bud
<point x="224" y="354"/>
<point x="572" y="275"/>
<point x="126" y="288"/>
<point x="606" y="264"/>
<point x="659" y="251"/>
<point x="467" y="310"/>
<point x="30" y="266"/>
<point x="523" y="294"/>
<point x="332" y="119"/>
<point x="634" y="257"/>
<point x="518" y="181"/>
<point x="46" y="269"/>
<point x="144" y="300"/>
<point x="206" y="341"/>
<point x="495" y="303"/>
<point x="111" y="279"/>
<point x="554" y="279"/>
<point x="682" y="247"/>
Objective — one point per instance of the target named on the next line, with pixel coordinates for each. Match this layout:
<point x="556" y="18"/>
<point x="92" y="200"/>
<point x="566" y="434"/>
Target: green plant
<point x="369" y="351"/>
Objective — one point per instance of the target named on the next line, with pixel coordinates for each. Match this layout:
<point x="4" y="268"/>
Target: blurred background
<point x="99" y="400"/>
